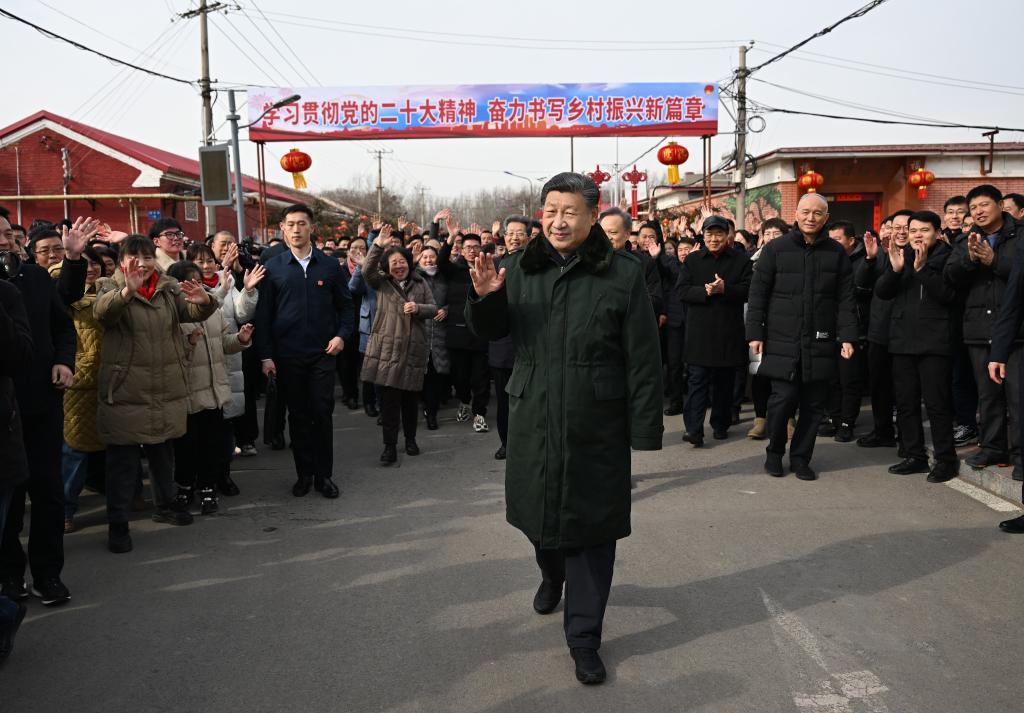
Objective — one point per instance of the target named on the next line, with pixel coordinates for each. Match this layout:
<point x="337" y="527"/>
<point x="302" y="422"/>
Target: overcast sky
<point x="318" y="42"/>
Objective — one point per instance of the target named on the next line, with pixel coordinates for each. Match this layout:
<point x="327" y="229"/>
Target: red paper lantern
<point x="811" y="181"/>
<point x="921" y="179"/>
<point x="295" y="162"/>
<point x="709" y="89"/>
<point x="672" y="155"/>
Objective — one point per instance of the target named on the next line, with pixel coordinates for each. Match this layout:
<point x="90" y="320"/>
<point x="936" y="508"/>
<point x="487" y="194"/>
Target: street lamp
<point x="233" y="117"/>
<point x="529" y="212"/>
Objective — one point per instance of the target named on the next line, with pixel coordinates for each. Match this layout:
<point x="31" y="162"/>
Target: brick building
<point x="124" y="183"/>
<point x="865" y="183"/>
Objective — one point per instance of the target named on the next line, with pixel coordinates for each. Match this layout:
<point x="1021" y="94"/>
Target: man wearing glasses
<point x="169" y="239"/>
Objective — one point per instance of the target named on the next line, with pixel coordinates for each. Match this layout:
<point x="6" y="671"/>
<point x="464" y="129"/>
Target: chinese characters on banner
<point x="485" y="111"/>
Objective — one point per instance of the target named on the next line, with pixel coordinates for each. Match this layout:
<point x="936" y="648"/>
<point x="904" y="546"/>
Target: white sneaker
<point x="464" y="413"/>
<point x="249" y="450"/>
<point x="479" y="424"/>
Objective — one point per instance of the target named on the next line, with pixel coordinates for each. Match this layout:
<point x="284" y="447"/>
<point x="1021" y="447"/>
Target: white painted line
<point x="982" y="496"/>
<point x="795" y="629"/>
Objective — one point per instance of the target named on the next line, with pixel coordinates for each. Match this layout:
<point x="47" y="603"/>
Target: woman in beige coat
<point x="143" y="388"/>
<point x="397" y="350"/>
<point x="199" y="455"/>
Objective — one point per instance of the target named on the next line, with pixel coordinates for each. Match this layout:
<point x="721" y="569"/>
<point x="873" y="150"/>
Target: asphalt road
<point x="862" y="591"/>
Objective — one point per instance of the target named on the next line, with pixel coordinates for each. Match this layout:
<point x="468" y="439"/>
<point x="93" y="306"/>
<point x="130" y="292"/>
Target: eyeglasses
<point x="176" y="235"/>
<point x="56" y="250"/>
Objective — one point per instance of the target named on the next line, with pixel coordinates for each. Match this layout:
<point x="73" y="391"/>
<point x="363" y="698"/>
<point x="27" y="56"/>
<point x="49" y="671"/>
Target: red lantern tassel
<point x="299" y="180"/>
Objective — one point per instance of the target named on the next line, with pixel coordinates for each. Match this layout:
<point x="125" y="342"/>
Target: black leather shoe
<point x="326" y="487"/>
<point x="674" y="409"/>
<point x="944" y="471"/>
<point x="1014" y="526"/>
<point x="500" y="454"/>
<point x="431" y="421"/>
<point x="14" y="588"/>
<point x="173" y="516"/>
<point x="371" y="410"/>
<point x="302" y="486"/>
<point x="844" y="434"/>
<point x="826" y="429"/>
<point x="720" y="435"/>
<point x="411" y="448"/>
<point x="390" y="454"/>
<point x="773" y="465"/>
<point x="982" y="460"/>
<point x="227" y="486"/>
<point x="353" y="404"/>
<point x="803" y="471"/>
<point x="697" y="439"/>
<point x="277" y="442"/>
<point x="873" y="440"/>
<point x="908" y="466"/>
<point x="547" y="597"/>
<point x="589" y="667"/>
<point x="8" y="629"/>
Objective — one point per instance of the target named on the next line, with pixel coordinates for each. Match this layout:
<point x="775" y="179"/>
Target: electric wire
<point x="255" y="49"/>
<point x="298" y="57"/>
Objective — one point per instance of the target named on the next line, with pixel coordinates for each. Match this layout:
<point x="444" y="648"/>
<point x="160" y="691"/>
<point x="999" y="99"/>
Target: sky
<point x="922" y="58"/>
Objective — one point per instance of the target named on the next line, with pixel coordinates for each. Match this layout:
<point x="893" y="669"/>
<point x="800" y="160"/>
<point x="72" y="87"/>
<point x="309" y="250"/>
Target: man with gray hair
<point x="586" y="387"/>
<point x="617" y="225"/>
<point x="800" y="310"/>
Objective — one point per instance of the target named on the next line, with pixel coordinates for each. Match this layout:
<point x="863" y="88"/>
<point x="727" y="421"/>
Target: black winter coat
<point x="674" y="307"/>
<point x="456" y="274"/>
<point x="1011" y="312"/>
<point x="922" y="304"/>
<point x="861" y="296"/>
<point x="984" y="285"/>
<point x="501" y="353"/>
<point x="801" y="307"/>
<point x="865" y="276"/>
<point x="16" y="351"/>
<point x="714" y="324"/>
<point x="53" y="337"/>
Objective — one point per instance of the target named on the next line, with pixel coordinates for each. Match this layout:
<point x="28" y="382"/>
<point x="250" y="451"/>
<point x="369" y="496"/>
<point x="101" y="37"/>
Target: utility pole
<point x="379" y="153"/>
<point x="423" y="204"/>
<point x="741" y="140"/>
<point x="204" y="84"/>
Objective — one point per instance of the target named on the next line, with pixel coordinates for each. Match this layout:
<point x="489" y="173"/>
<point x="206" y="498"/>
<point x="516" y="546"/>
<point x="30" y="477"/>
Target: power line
<point x="320" y="25"/>
<point x="820" y="33"/>
<point x="242" y="52"/>
<point x="255" y="49"/>
<point x="272" y="44"/>
<point x="892" y="122"/>
<point x="560" y="42"/>
<point x="273" y="27"/>
<point x="53" y="35"/>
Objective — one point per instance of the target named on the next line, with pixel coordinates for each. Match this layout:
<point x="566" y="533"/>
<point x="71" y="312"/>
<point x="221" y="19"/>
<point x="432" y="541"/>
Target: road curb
<point x="994" y="481"/>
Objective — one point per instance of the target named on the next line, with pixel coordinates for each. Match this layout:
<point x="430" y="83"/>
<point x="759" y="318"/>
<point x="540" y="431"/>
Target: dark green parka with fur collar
<point x="585" y="388"/>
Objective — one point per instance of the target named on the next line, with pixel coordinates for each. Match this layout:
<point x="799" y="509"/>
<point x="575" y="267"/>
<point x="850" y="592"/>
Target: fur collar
<point x="595" y="254"/>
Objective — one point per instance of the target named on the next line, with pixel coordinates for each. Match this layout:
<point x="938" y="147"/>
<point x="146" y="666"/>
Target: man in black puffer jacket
<point x="800" y="309"/>
<point x="921" y="333"/>
<point x="980" y="267"/>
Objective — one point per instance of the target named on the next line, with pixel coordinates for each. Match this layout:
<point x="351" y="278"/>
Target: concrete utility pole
<point x="379" y="153"/>
<point x="741" y="140"/>
<point x="204" y="83"/>
<point x="423" y="204"/>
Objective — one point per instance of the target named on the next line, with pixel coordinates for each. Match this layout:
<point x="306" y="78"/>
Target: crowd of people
<point x="133" y="357"/>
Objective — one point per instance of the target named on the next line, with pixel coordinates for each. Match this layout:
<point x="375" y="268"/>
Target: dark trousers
<point x="307" y="385"/>
<point x="370" y="392"/>
<point x="739" y="388"/>
<point x="123" y="463"/>
<point x="501" y="377"/>
<point x="43" y="437"/>
<point x="965" y="389"/>
<point x="761" y="391"/>
<point x="810" y="397"/>
<point x="247" y="426"/>
<point x="200" y="457"/>
<point x="880" y="385"/>
<point x="847" y="389"/>
<point x="434" y="386"/>
<point x="709" y="386"/>
<point x="587" y="573"/>
<point x="398" y="407"/>
<point x="350" y="363"/>
<point x="917" y="376"/>
<point x="471" y="378"/>
<point x="998" y="405"/>
<point x="675" y="339"/>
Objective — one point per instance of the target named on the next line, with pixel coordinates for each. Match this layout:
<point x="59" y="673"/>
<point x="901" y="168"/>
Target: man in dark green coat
<point x="586" y="387"/>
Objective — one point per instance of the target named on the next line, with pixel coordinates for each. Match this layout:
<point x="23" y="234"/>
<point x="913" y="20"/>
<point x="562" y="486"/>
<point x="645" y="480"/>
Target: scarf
<point x="430" y="270"/>
<point x="149" y="289"/>
<point x="212" y="281"/>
